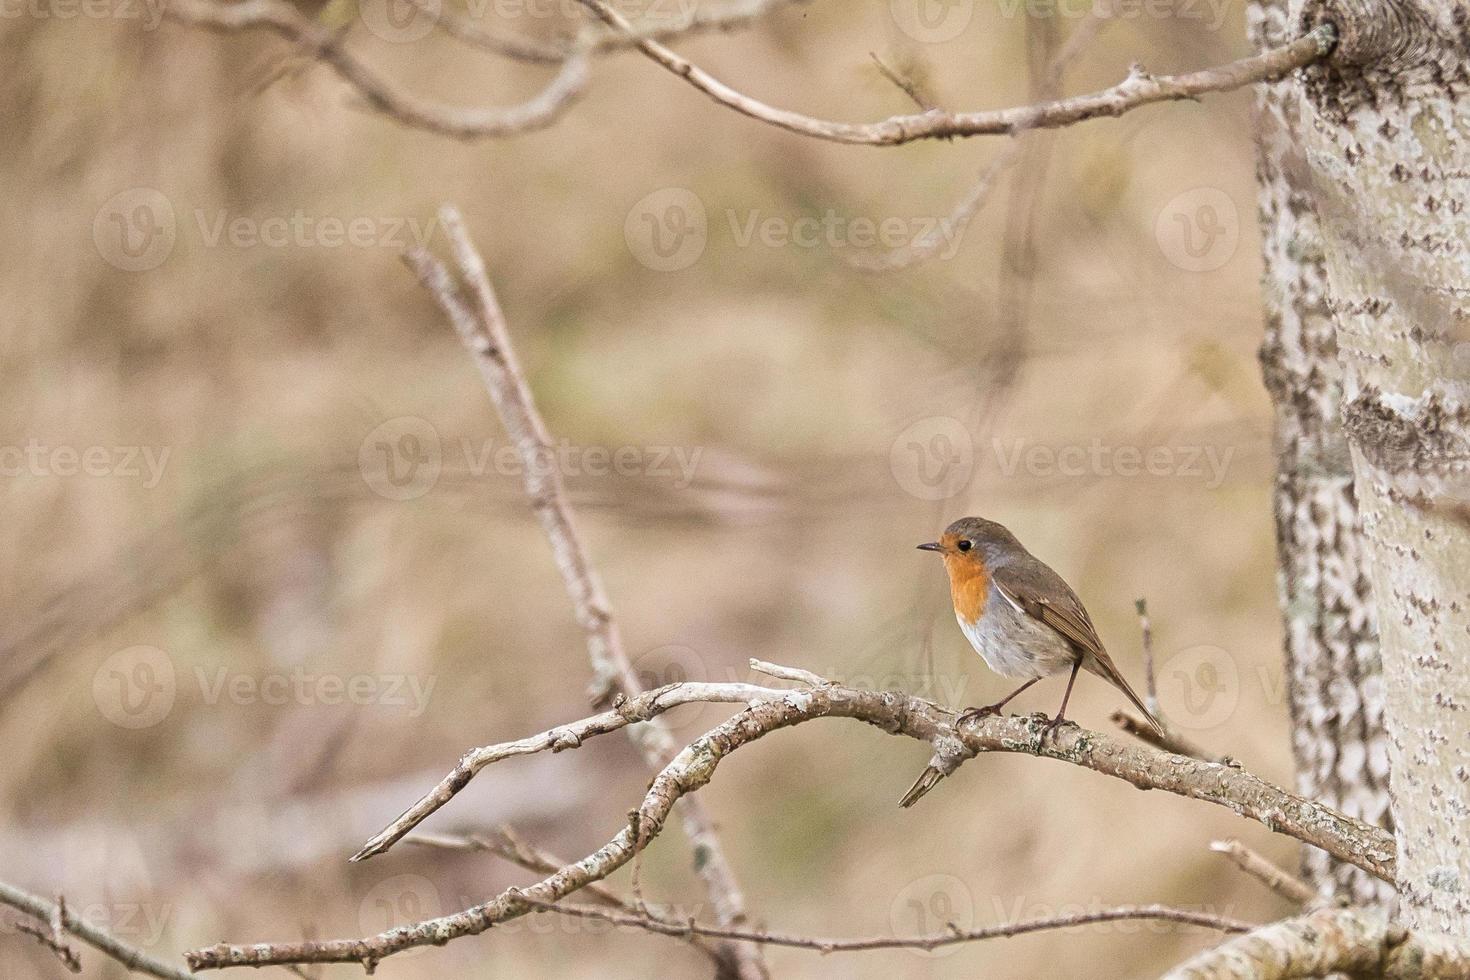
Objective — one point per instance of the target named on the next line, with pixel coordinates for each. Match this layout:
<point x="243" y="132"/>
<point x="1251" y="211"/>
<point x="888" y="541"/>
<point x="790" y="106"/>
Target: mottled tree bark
<point x="1386" y="133"/>
<point x="1333" y="673"/>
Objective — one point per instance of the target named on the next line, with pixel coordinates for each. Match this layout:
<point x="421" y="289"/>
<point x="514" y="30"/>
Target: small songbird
<point x="1020" y="616"/>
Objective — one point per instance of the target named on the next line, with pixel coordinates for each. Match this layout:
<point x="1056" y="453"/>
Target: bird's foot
<point x="971" y="714"/>
<point x="1052" y="726"/>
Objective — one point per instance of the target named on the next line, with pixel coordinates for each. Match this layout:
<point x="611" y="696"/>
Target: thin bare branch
<point x="1270" y="874"/>
<point x="1368" y="847"/>
<point x="684" y="930"/>
<point x="58" y="916"/>
<point x="1360" y="942"/>
<point x="794" y="674"/>
<point x="377" y="91"/>
<point x="642" y="708"/>
<point x="1139" y="89"/>
<point x="481" y="325"/>
<point x="1170" y="741"/>
<point x="692" y="19"/>
<point x="507" y="844"/>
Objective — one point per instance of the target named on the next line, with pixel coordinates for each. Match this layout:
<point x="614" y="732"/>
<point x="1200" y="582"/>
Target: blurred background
<point x="268" y="572"/>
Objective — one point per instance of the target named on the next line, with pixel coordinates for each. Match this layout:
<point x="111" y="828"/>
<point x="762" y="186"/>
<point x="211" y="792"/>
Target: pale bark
<point x="1386" y="132"/>
<point x="1333" y="672"/>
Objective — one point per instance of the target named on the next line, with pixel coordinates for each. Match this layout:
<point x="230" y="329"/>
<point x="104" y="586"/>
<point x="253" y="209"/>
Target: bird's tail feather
<point x="1105" y="669"/>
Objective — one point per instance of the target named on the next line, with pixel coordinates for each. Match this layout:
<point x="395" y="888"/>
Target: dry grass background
<point x="262" y="549"/>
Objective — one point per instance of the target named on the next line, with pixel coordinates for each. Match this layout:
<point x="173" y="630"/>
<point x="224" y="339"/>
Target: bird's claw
<point x="1052" y="726"/>
<point x="970" y="714"/>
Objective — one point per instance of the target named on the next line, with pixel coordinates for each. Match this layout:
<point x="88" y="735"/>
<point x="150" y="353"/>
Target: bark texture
<point x="1333" y="671"/>
<point x="1386" y="132"/>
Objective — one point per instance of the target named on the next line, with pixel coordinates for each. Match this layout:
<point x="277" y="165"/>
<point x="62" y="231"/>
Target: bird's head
<point x="972" y="544"/>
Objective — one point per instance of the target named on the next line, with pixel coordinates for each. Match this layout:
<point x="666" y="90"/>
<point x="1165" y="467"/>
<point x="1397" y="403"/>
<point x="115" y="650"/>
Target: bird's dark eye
<point x="965" y="545"/>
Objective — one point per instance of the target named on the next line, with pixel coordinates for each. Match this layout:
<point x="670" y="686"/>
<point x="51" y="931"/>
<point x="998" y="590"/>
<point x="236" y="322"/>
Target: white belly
<point x="1014" y="645"/>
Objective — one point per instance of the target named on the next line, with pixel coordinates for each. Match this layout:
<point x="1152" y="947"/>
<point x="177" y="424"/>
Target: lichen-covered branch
<point x="1360" y="942"/>
<point x="770" y="710"/>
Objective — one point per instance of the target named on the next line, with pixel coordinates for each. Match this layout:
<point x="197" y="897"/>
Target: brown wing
<point x="1041" y="593"/>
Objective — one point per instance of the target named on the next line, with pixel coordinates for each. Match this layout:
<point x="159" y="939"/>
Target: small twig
<point x="61" y="919"/>
<point x="1138" y="89"/>
<point x="797" y="675"/>
<point x="1272" y="875"/>
<point x="686" y="929"/>
<point x="905" y="85"/>
<point x="695" y="19"/>
<point x="377" y="91"/>
<point x="1170" y="741"/>
<point x="512" y="847"/>
<point x="632" y="710"/>
<point x="48" y="938"/>
<point x="1146" y="629"/>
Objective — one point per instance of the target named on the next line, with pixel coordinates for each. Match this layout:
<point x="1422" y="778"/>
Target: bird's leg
<point x="970" y="714"/>
<point x="1056" y="722"/>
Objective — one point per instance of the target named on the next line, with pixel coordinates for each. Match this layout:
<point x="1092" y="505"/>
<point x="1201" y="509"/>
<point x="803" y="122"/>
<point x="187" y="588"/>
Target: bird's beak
<point x="931" y="546"/>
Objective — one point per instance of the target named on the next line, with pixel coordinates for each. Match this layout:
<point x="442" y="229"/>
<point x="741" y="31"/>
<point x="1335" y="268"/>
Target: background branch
<point x="1139" y="89"/>
<point x="57" y="914"/>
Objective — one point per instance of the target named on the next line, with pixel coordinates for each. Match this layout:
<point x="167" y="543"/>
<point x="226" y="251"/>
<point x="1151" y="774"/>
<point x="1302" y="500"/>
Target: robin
<point x="1020" y="616"/>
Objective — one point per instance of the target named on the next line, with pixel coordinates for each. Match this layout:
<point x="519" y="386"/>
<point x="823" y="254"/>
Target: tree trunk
<point x="1386" y="134"/>
<point x="1333" y="672"/>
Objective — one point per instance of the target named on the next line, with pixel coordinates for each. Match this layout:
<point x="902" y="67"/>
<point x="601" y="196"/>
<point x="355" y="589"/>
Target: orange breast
<point x="968" y="586"/>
